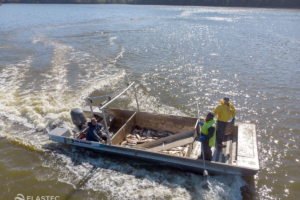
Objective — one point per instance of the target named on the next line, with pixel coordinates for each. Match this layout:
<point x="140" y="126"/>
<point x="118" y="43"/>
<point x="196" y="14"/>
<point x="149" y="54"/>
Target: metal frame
<point x="90" y="101"/>
<point x="112" y="100"/>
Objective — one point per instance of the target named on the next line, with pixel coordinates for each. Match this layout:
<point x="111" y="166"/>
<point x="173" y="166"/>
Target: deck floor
<point x="228" y="154"/>
<point x="113" y="130"/>
<point x="225" y="155"/>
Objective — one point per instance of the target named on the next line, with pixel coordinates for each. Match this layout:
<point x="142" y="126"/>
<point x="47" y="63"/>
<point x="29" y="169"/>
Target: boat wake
<point x="29" y="109"/>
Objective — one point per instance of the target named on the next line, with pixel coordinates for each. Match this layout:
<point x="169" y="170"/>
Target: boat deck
<point x="228" y="154"/>
<point x="240" y="150"/>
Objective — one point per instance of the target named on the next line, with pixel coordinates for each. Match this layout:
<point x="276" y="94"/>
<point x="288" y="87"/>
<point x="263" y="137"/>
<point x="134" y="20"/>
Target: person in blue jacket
<point x="95" y="132"/>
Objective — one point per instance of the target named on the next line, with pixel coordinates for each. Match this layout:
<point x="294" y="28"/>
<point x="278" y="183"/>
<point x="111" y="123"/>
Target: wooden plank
<point x="167" y="139"/>
<point x="255" y="148"/>
<point x="195" y="147"/>
<point x="164" y="122"/>
<point x="247" y="155"/>
<point x="125" y="129"/>
<point x="223" y="154"/>
<point x="196" y="152"/>
<point x="173" y="144"/>
<point x="233" y="151"/>
<point x="245" y="140"/>
<point x="121" y="116"/>
<point x="229" y="129"/>
<point x="228" y="147"/>
<point x="233" y="160"/>
<point x="220" y="154"/>
<point x="214" y="150"/>
<point x="247" y="162"/>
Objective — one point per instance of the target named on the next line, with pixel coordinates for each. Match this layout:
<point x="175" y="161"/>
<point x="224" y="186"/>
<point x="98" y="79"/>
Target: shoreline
<point x="222" y="6"/>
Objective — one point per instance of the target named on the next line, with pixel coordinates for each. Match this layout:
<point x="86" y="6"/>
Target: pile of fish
<point x="141" y="135"/>
<point x="178" y="151"/>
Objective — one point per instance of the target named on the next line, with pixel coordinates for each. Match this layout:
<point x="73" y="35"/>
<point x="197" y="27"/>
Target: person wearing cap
<point x="224" y="111"/>
<point x="208" y="135"/>
<point x="95" y="132"/>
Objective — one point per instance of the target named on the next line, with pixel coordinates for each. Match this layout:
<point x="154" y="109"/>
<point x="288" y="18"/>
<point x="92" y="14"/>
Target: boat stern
<point x="59" y="134"/>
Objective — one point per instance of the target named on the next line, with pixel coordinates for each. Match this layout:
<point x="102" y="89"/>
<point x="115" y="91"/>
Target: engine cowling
<point x="78" y="117"/>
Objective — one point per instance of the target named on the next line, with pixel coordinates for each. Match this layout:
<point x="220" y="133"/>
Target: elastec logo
<point x="22" y="197"/>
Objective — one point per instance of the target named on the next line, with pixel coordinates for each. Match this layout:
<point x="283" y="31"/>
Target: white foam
<point x="220" y="19"/>
<point x="187" y="13"/>
<point x="50" y="107"/>
<point x="50" y="104"/>
<point x="120" y="55"/>
<point x="111" y="40"/>
<point x="120" y="180"/>
<point x="4" y="47"/>
<point x="12" y="77"/>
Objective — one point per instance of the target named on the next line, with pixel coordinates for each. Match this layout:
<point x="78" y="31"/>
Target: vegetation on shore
<point x="233" y="3"/>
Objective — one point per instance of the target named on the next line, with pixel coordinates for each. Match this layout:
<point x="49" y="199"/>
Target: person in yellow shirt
<point x="224" y="111"/>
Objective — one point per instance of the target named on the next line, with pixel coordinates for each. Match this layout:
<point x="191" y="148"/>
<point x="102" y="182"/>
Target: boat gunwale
<point x="137" y="153"/>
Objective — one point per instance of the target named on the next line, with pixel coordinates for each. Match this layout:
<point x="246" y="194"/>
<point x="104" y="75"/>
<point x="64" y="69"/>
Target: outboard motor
<point x="78" y="117"/>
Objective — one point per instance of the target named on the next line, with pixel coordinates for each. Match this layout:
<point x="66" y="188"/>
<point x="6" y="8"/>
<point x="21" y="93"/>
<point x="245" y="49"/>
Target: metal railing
<point x="111" y="98"/>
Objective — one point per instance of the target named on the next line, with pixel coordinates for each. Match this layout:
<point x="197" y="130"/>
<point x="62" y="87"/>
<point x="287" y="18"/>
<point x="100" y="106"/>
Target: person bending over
<point x="208" y="135"/>
<point x="95" y="132"/>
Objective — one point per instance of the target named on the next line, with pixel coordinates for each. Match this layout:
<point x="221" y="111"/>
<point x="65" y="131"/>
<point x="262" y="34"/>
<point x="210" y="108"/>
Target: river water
<point x="52" y="57"/>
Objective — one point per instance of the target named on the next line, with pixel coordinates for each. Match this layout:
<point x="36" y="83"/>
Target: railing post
<point x="137" y="103"/>
<point x="91" y="106"/>
<point x="104" y="118"/>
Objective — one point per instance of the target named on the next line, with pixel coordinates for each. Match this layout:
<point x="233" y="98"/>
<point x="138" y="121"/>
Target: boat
<point x="240" y="157"/>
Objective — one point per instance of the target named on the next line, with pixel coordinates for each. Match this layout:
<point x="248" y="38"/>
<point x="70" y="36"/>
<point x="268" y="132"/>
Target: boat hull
<point x="182" y="163"/>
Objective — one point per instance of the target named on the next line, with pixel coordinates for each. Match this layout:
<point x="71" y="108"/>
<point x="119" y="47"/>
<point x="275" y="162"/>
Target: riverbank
<point x="228" y="3"/>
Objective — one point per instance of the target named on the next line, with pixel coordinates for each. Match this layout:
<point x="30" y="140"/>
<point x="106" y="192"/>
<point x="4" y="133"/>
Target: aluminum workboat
<point x="240" y="157"/>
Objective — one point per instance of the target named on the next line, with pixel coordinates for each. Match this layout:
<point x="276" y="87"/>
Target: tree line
<point x="231" y="3"/>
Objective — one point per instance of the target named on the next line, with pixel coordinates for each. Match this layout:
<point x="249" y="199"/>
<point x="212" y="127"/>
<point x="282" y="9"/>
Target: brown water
<point x="52" y="57"/>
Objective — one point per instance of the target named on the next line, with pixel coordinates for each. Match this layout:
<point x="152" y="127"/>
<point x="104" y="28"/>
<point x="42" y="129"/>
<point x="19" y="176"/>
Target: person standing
<point x="224" y="111"/>
<point x="208" y="135"/>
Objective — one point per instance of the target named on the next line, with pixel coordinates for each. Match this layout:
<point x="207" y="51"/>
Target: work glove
<point x="232" y="121"/>
<point x="202" y="138"/>
<point x="201" y="123"/>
